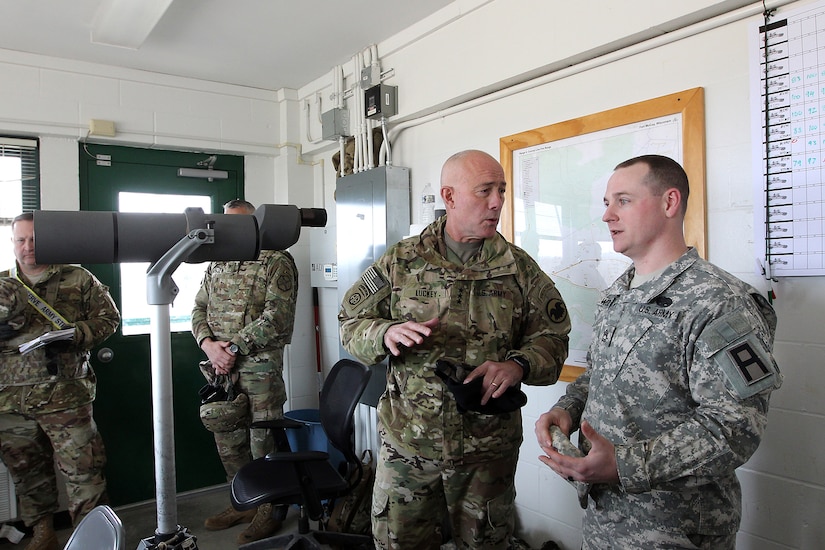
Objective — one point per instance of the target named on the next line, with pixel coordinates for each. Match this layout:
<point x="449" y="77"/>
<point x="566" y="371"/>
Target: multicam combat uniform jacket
<point x="502" y="306"/>
<point x="679" y="377"/>
<point x="26" y="386"/>
<point x="252" y="304"/>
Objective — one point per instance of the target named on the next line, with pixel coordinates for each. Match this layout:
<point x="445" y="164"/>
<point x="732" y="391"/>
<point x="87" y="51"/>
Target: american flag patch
<point x="373" y="280"/>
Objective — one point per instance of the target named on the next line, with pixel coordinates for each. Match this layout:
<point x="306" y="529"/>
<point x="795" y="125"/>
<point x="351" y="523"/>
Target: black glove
<point x="468" y="396"/>
<point x="6" y="331"/>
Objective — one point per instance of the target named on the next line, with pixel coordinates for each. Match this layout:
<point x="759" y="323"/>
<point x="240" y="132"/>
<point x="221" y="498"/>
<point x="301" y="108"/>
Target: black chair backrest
<point x="340" y="395"/>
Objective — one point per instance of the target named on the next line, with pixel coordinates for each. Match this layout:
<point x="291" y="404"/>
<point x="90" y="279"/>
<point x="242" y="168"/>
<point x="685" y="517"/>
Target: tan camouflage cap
<point x="13" y="299"/>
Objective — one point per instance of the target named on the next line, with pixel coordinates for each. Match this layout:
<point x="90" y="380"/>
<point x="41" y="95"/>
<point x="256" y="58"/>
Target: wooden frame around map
<point x="689" y="103"/>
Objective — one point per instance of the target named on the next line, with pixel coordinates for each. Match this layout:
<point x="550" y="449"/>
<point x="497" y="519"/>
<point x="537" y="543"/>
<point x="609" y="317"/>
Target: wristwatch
<point x="234" y="349"/>
<point x="523" y="363"/>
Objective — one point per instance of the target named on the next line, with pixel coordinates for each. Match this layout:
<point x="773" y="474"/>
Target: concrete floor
<point x="140" y="522"/>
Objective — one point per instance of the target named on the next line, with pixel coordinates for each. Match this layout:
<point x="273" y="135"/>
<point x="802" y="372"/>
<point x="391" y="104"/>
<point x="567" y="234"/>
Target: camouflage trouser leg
<point x="27" y="451"/>
<point x="606" y="535"/>
<point x="411" y="497"/>
<point x="81" y="457"/>
<point x="481" y="500"/>
<point x="267" y="396"/>
<point x="27" y="454"/>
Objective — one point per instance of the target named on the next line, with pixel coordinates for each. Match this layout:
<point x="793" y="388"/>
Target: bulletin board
<point x="556" y="177"/>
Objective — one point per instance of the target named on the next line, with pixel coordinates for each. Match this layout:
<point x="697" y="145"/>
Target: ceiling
<point x="268" y="44"/>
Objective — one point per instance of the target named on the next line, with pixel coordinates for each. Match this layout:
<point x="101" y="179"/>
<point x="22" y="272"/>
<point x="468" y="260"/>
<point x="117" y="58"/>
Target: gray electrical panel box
<point x="373" y="212"/>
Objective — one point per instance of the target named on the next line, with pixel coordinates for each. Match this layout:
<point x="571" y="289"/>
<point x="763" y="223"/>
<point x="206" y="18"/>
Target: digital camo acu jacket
<point x="502" y="306"/>
<point x="251" y="303"/>
<point x="679" y="376"/>
<point x="25" y="380"/>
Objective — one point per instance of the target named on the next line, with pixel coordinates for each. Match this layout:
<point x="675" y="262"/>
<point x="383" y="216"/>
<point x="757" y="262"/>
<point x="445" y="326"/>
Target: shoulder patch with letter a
<point x="732" y="344"/>
<point x="748" y="362"/>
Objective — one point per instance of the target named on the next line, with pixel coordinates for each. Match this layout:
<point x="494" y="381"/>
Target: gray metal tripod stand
<point x="160" y="293"/>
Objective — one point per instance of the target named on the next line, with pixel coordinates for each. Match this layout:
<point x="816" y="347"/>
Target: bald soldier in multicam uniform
<point x="675" y="394"/>
<point x="46" y="395"/>
<point x="243" y="317"/>
<point x="461" y="292"/>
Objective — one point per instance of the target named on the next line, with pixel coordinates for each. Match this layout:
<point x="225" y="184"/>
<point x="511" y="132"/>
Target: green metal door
<point x="141" y="180"/>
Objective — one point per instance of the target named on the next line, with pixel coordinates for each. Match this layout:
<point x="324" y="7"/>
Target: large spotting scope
<point x="65" y="237"/>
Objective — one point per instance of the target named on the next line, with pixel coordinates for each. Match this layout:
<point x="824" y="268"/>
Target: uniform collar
<point x="657" y="286"/>
<point x="494" y="258"/>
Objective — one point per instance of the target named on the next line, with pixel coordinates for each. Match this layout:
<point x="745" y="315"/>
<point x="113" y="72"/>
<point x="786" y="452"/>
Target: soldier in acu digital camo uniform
<point x="46" y="395"/>
<point x="680" y="372"/>
<point x="243" y="317"/>
<point x="459" y="292"/>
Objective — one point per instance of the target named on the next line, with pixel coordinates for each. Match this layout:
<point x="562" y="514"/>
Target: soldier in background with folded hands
<point x="243" y="317"/>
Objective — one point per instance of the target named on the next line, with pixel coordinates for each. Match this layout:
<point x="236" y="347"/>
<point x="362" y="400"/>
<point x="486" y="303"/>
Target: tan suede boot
<point x="263" y="526"/>
<point x="228" y="518"/>
<point x="44" y="536"/>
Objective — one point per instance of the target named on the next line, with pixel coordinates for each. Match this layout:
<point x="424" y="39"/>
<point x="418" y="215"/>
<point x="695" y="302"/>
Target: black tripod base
<point x="183" y="539"/>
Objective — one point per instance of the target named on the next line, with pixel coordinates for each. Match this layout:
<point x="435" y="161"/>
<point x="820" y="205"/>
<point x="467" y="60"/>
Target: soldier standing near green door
<point x="243" y="317"/>
<point x="46" y="394"/>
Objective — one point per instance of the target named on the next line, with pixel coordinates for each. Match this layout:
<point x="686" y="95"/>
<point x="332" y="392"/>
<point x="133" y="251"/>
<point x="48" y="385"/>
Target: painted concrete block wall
<point x="47" y="96"/>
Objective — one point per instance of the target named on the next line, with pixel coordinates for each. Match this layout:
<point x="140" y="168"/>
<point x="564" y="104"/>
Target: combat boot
<point x="228" y="518"/>
<point x="44" y="536"/>
<point x="263" y="526"/>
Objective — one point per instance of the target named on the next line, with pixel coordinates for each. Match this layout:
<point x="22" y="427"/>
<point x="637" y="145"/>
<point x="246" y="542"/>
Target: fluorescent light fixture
<point x="126" y="23"/>
<point x="198" y="173"/>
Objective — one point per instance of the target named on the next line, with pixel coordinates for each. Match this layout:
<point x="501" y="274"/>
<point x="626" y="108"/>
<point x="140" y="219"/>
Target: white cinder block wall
<point x="470" y="48"/>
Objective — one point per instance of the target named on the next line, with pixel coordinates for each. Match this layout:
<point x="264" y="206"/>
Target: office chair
<point x="307" y="478"/>
<point x="101" y="529"/>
